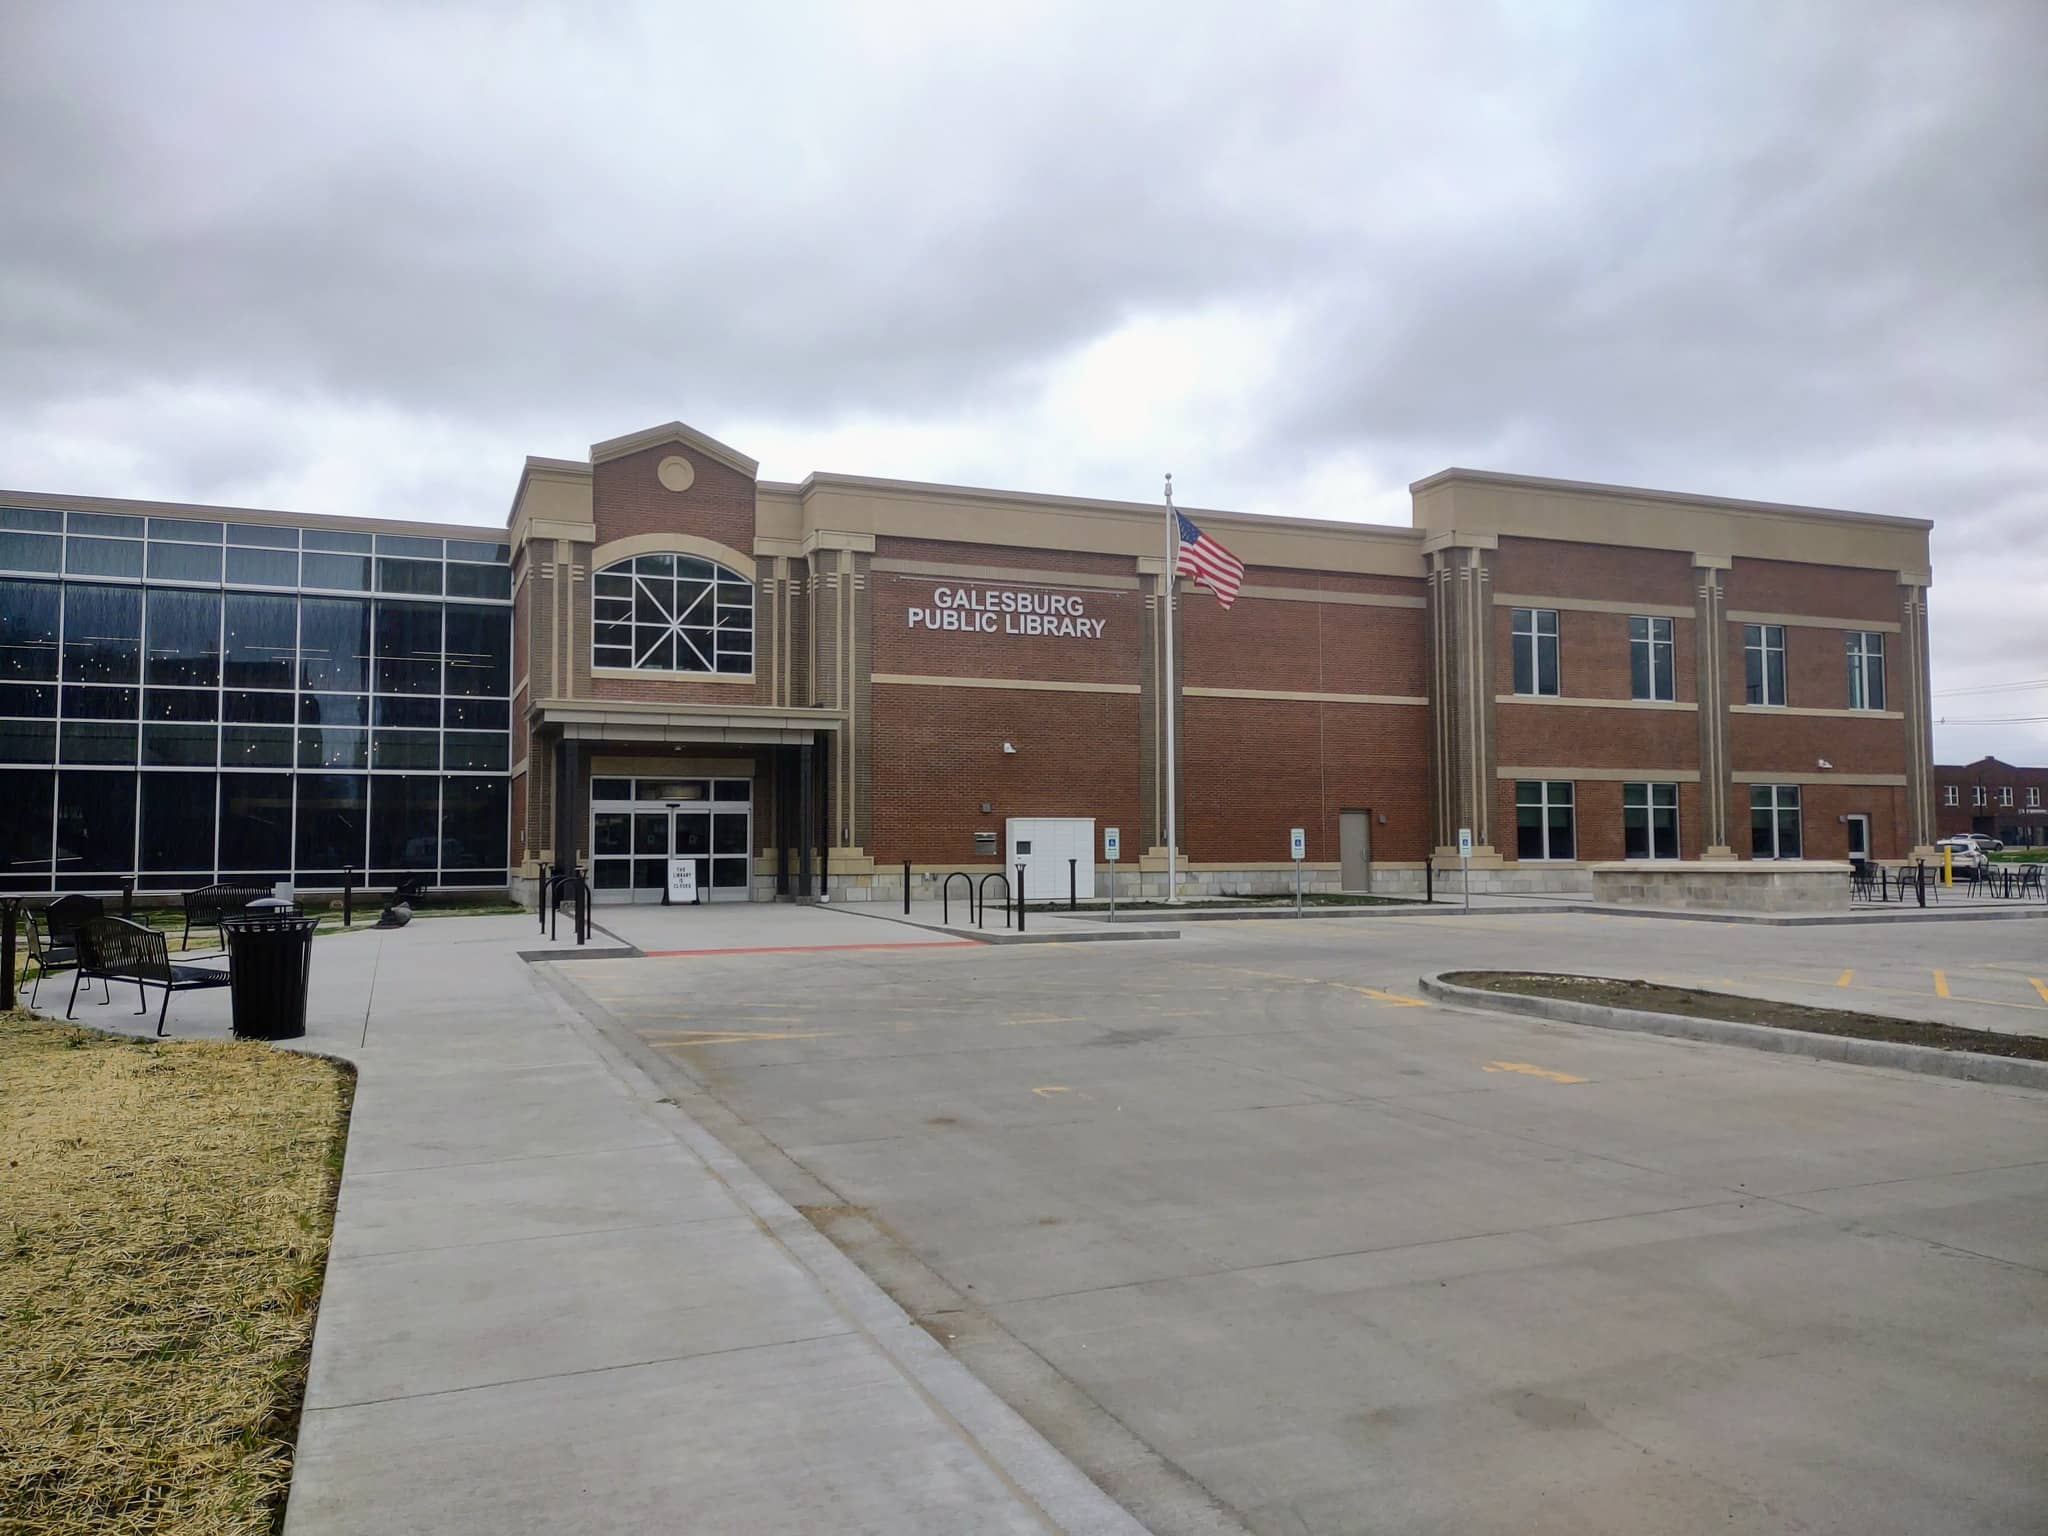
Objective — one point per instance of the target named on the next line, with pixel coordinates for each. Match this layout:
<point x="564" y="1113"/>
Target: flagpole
<point x="1168" y="687"/>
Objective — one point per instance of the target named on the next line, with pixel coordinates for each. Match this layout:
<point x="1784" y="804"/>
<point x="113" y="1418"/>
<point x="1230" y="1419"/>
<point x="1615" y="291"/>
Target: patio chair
<point x="63" y="917"/>
<point x="113" y="949"/>
<point x="45" y="956"/>
<point x="206" y="906"/>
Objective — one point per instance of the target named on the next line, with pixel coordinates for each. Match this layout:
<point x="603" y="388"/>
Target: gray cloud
<point x="1790" y="252"/>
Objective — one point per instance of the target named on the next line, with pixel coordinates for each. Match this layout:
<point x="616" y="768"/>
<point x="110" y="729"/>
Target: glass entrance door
<point x="637" y="825"/>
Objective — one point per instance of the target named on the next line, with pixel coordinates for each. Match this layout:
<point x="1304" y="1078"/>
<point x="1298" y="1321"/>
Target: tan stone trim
<point x="1291" y="696"/>
<point x="516" y="769"/>
<point x="1273" y="867"/>
<point x="1005" y="575"/>
<point x="1594" y="605"/>
<point x="1816" y="714"/>
<point x="614" y="550"/>
<point x="636" y="674"/>
<point x="833" y="538"/>
<point x="1679" y="498"/>
<point x="1804" y="776"/>
<point x="1342" y="599"/>
<point x="673" y="432"/>
<point x="1024" y="684"/>
<point x="624" y="709"/>
<point x="1810" y="621"/>
<point x="1433" y="543"/>
<point x="1684" y="706"/>
<point x="1605" y="775"/>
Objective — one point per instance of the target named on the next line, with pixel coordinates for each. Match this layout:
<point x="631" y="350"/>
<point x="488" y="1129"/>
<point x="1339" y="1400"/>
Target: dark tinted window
<point x="95" y="823"/>
<point x="334" y="644"/>
<point x="255" y="821"/>
<point x="25" y="800"/>
<point x="177" y="822"/>
<point x="183" y="638"/>
<point x="261" y="641"/>
<point x="405" y="812"/>
<point x="474" y="822"/>
<point x="479" y="651"/>
<point x="332" y="821"/>
<point x="102" y="634"/>
<point x="408" y="645"/>
<point x="28" y="630"/>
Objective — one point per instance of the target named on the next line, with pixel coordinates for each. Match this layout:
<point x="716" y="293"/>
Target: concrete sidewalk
<point x="554" y="1303"/>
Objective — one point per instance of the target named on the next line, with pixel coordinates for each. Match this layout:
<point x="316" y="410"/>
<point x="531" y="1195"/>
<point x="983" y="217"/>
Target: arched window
<point x="672" y="613"/>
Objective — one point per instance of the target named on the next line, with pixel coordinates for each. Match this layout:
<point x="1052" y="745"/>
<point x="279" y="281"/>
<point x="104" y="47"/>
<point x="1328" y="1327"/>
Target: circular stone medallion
<point x="676" y="472"/>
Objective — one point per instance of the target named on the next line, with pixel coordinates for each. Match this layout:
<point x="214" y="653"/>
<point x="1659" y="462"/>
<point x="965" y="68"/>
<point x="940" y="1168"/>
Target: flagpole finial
<point x="1169" y="485"/>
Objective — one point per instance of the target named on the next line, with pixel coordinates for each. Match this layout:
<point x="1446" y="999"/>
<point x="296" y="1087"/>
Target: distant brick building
<point x="1994" y="798"/>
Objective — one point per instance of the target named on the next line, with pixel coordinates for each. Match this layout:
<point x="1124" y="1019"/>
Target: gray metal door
<point x="1354" y="849"/>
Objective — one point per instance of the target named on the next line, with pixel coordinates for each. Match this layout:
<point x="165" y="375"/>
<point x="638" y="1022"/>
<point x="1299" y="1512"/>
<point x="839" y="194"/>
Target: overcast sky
<point x="363" y="259"/>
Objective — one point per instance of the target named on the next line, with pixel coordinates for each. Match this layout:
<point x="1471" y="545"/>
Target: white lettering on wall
<point x="1007" y="611"/>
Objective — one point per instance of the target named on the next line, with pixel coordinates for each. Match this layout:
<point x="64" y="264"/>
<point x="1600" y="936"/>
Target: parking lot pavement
<point x="1260" y="1238"/>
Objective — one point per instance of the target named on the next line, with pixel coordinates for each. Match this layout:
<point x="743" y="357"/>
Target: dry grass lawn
<point x="164" y="1218"/>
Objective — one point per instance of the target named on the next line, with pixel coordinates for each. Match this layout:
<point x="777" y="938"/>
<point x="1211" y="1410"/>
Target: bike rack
<point x="981" y="889"/>
<point x="945" y="895"/>
<point x="573" y="888"/>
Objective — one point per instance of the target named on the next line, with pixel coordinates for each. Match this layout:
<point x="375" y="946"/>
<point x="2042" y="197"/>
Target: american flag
<point x="1206" y="561"/>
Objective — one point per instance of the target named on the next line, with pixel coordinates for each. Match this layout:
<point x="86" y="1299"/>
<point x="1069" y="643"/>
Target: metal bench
<point x="206" y="906"/>
<point x="112" y="949"/>
<point x="46" y="955"/>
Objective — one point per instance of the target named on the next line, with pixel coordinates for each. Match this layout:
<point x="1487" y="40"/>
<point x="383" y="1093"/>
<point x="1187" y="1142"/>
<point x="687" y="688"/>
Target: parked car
<point x="1969" y="848"/>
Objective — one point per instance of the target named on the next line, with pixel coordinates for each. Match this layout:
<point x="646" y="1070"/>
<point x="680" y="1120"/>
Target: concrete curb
<point x="999" y="936"/>
<point x="2000" y="1071"/>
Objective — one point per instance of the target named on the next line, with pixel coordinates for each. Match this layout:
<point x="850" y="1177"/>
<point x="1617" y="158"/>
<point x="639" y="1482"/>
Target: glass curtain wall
<point x="184" y="701"/>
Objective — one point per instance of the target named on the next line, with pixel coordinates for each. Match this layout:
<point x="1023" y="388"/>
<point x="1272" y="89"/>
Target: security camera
<point x="1823" y="763"/>
<point x="1010" y="750"/>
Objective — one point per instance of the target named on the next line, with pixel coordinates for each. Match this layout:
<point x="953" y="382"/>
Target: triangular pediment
<point x="674" y="432"/>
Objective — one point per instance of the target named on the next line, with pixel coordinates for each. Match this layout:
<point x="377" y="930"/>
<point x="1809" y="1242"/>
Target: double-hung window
<point x="1950" y="795"/>
<point x="2005" y="794"/>
<point x="1544" y="825"/>
<point x="1866" y="670"/>
<point x="1649" y="821"/>
<point x="1978" y="797"/>
<point x="1774" y="821"/>
<point x="1763" y="663"/>
<point x="1535" y="632"/>
<point x="1649" y="659"/>
<point x="2033" y="799"/>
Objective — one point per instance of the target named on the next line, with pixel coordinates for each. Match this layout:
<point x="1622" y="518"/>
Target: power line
<point x="1993" y="720"/>
<point x="2019" y="687"/>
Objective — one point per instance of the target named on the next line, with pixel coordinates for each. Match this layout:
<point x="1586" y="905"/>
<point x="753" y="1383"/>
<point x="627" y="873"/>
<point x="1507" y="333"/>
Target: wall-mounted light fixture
<point x="1009" y="750"/>
<point x="1821" y="762"/>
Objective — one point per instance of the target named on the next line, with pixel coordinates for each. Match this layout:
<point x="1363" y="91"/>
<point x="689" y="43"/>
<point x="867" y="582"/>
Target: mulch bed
<point x="1689" y="1002"/>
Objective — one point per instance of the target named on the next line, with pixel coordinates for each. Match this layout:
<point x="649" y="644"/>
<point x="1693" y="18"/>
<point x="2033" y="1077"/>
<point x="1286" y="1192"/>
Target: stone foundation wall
<point x="1791" y="885"/>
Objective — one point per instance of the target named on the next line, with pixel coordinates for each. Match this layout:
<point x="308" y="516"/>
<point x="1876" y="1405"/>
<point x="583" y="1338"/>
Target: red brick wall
<point x="1304" y="647"/>
<point x="1557" y="568"/>
<point x="1557" y="735"/>
<point x="938" y="754"/>
<point x="1821" y="591"/>
<point x="1252" y="769"/>
<point x="1111" y="657"/>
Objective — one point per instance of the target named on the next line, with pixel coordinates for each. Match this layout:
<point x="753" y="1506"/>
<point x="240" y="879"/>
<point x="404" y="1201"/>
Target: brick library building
<point x="800" y="690"/>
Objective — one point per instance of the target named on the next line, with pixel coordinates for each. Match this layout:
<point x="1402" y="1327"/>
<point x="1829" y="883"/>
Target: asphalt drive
<point x="1263" y="1241"/>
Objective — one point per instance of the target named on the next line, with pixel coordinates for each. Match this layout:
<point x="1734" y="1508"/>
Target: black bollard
<point x="10" y="910"/>
<point x="348" y="898"/>
<point x="906" y="887"/>
<point x="1020" y="898"/>
<point x="1428" y="881"/>
<point x="1073" y="879"/>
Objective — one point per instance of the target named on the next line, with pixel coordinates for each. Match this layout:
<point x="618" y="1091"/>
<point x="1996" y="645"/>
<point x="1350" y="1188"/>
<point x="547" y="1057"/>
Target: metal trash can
<point x="270" y="960"/>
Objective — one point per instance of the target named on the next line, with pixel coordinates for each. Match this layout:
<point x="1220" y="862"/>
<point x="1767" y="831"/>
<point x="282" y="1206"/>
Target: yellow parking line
<point x="1528" y="1070"/>
<point x="1843" y="979"/>
<point x="1941" y="983"/>
<point x="2040" y="986"/>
